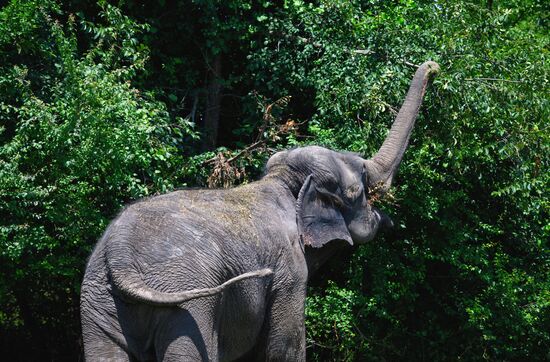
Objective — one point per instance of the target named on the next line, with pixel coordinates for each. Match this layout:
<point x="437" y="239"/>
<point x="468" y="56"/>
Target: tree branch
<point x="493" y="80"/>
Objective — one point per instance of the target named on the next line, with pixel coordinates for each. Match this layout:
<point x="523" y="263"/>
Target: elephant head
<point x="334" y="190"/>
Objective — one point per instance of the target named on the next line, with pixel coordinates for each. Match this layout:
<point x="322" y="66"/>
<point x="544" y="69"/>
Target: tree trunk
<point x="213" y="104"/>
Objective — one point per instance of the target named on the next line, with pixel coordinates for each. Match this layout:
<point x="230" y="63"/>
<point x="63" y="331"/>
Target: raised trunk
<point x="383" y="165"/>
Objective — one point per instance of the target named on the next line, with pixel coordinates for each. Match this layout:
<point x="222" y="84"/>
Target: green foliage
<point x="466" y="272"/>
<point x="98" y="108"/>
<point x="78" y="141"/>
<point x="330" y="321"/>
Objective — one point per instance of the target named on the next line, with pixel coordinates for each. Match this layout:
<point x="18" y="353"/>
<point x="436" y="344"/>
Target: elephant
<point x="221" y="274"/>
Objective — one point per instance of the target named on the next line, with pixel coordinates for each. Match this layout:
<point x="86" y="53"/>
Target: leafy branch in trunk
<point x="226" y="168"/>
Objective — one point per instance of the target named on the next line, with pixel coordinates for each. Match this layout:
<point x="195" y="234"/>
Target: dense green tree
<point x="457" y="276"/>
<point x="77" y="142"/>
<point x="98" y="106"/>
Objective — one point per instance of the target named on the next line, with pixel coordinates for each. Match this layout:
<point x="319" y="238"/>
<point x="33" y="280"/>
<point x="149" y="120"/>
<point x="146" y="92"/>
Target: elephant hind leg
<point x="188" y="337"/>
<point x="105" y="350"/>
<point x="184" y="349"/>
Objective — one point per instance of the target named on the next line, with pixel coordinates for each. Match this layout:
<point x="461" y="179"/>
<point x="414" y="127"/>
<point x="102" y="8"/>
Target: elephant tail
<point x="130" y="285"/>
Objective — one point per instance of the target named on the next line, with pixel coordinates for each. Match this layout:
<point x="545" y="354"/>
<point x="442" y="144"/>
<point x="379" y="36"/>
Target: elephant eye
<point x="330" y="197"/>
<point x="353" y="192"/>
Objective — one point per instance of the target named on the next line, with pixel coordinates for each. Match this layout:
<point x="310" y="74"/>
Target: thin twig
<point x="309" y="41"/>
<point x="391" y="108"/>
<point x="313" y="342"/>
<point x="249" y="148"/>
<point x="411" y="64"/>
<point x="239" y="154"/>
<point x="494" y="80"/>
<point x="362" y="51"/>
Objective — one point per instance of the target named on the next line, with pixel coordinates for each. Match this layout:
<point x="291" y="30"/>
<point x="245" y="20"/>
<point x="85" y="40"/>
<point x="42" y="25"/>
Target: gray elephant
<point x="220" y="275"/>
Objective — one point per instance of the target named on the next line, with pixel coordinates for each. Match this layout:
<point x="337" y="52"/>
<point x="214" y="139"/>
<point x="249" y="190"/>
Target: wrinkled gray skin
<point x="220" y="275"/>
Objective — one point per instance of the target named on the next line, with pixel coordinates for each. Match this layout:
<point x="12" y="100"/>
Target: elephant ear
<point x="318" y="217"/>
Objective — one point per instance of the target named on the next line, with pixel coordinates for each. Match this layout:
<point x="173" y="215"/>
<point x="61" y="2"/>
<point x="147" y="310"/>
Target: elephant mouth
<point x="385" y="222"/>
<point x="364" y="229"/>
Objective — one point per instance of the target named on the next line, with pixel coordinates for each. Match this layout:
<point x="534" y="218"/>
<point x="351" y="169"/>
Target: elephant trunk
<point x="383" y="165"/>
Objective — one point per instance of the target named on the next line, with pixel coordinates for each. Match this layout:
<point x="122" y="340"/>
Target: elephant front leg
<point x="285" y="337"/>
